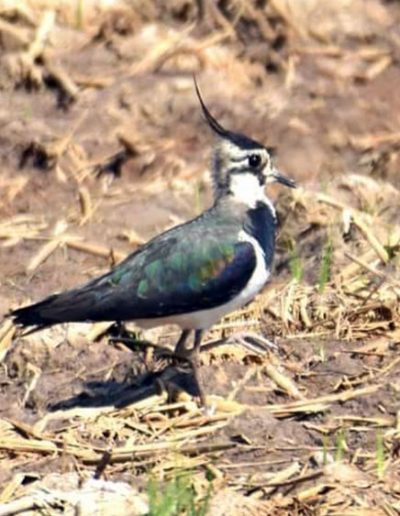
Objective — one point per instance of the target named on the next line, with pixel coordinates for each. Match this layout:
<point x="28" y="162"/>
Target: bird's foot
<point x="253" y="342"/>
<point x="118" y="332"/>
<point x="190" y="357"/>
<point x="173" y="356"/>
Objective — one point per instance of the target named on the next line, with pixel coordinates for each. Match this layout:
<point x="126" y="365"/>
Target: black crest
<point x="242" y="141"/>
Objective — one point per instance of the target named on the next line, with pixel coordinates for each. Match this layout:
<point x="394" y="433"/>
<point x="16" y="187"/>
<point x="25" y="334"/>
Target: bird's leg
<point x="180" y="346"/>
<point x="198" y="335"/>
<point x="195" y="351"/>
<point x="191" y="356"/>
<point x="184" y="352"/>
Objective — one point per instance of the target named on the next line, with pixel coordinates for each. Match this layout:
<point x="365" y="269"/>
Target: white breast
<point x="204" y="319"/>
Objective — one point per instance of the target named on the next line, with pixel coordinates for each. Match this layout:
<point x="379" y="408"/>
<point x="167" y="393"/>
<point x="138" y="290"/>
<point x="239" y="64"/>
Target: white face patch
<point x="246" y="188"/>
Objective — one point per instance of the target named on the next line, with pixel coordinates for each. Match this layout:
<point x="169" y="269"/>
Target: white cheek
<point x="246" y="189"/>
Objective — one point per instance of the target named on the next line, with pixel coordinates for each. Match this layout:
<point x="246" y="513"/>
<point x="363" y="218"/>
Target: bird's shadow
<point x="134" y="388"/>
<point x="121" y="394"/>
<point x="173" y="377"/>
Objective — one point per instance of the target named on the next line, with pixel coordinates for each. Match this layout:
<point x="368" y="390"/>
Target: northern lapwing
<point x="195" y="273"/>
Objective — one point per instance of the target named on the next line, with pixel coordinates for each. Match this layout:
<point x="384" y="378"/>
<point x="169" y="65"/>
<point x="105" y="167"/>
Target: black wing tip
<point x="23" y="325"/>
<point x="28" y="317"/>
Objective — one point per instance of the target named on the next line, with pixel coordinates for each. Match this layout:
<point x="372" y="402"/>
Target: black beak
<point x="284" y="180"/>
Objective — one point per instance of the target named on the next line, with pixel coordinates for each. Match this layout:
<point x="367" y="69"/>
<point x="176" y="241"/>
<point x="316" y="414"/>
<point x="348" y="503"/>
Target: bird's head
<point x="241" y="166"/>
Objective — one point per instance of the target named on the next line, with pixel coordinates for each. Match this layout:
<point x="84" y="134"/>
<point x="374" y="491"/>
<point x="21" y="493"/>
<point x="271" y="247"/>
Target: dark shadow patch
<point x="121" y="394"/>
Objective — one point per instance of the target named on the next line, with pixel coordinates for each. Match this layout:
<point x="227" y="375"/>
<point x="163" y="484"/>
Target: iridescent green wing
<point x="174" y="276"/>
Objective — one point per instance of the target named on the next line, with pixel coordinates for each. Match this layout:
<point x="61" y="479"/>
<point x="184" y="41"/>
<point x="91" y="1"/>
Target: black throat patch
<point x="261" y="224"/>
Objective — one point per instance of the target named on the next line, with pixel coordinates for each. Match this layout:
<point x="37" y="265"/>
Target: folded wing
<point x="177" y="272"/>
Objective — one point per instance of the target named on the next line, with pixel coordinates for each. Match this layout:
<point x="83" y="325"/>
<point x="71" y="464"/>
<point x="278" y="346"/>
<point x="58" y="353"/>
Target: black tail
<point x="36" y="315"/>
<point x="78" y="305"/>
<point x="97" y="300"/>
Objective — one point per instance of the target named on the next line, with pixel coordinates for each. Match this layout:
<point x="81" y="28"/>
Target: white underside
<point x="203" y="319"/>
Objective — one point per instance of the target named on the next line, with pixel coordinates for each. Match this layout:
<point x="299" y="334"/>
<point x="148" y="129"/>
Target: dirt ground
<point x="103" y="145"/>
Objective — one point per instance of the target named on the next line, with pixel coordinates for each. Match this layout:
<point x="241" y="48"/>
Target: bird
<point x="195" y="273"/>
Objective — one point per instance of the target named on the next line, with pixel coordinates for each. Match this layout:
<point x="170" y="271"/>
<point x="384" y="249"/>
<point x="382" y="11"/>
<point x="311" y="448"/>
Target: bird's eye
<point x="254" y="160"/>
